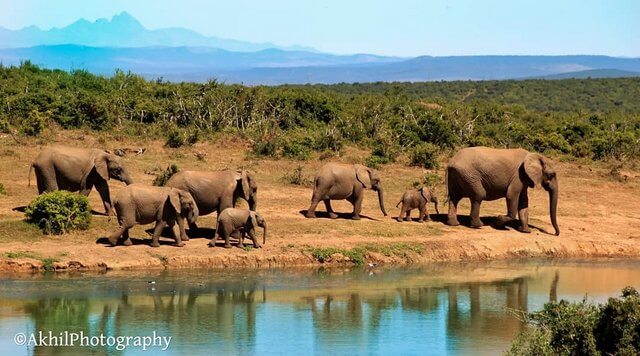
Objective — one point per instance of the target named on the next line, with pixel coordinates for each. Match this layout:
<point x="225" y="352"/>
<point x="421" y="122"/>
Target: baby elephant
<point x="142" y="204"/>
<point x="239" y="220"/>
<point x="417" y="198"/>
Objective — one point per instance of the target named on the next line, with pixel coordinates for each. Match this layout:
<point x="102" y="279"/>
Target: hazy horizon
<point x="407" y="28"/>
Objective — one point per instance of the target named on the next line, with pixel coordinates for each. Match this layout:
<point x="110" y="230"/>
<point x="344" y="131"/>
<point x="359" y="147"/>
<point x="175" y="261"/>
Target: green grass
<point x="357" y="254"/>
<point x="47" y="262"/>
<point x="26" y="232"/>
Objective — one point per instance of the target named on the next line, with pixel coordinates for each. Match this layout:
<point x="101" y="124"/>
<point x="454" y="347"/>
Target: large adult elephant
<point x="482" y="173"/>
<point x="216" y="191"/>
<point x="78" y="169"/>
<point x="336" y="181"/>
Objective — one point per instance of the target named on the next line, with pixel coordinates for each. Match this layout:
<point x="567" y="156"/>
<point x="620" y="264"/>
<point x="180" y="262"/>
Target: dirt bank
<point x="598" y="216"/>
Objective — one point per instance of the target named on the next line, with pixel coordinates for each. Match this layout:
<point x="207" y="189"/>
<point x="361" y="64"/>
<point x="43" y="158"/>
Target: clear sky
<point x="394" y="27"/>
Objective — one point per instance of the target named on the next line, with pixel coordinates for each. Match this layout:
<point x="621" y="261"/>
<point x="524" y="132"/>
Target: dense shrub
<point x="583" y="328"/>
<point x="425" y="155"/>
<point x="164" y="176"/>
<point x="297" y="177"/>
<point x="59" y="212"/>
<point x="595" y="118"/>
<point x="34" y="124"/>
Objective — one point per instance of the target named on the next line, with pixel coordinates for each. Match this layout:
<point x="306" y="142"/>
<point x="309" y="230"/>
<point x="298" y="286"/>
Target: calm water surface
<point x="434" y="309"/>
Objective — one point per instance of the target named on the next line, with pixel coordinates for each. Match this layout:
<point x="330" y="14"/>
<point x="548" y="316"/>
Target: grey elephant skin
<point x="482" y="173"/>
<point x="217" y="191"/>
<point x="77" y="169"/>
<point x="140" y="204"/>
<point x="245" y="222"/>
<point x="336" y="181"/>
<point x="417" y="199"/>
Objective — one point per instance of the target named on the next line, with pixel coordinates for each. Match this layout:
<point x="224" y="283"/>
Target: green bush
<point x="164" y="176"/>
<point x="429" y="179"/>
<point x="425" y="155"/>
<point x="297" y="177"/>
<point x="59" y="212"/>
<point x="296" y="146"/>
<point x="3" y="190"/>
<point x="582" y="328"/>
<point x="34" y="124"/>
<point x="178" y="138"/>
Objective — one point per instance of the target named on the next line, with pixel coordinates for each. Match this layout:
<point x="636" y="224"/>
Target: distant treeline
<point x="595" y="118"/>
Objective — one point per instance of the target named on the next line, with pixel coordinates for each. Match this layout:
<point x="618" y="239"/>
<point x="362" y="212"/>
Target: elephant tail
<point x="397" y="205"/>
<point x="30" y="170"/>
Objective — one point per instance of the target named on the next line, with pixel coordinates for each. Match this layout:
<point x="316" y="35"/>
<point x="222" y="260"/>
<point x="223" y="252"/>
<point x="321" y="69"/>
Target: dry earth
<point x="598" y="216"/>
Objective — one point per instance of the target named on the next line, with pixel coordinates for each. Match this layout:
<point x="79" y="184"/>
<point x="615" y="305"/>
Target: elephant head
<point x="430" y="197"/>
<point x="107" y="166"/>
<point x="184" y="204"/>
<point x="540" y="173"/>
<point x="249" y="187"/>
<point x="370" y="180"/>
<point x="258" y="221"/>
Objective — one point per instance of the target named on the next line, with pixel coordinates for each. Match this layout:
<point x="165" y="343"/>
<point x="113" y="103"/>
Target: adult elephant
<point x="336" y="181"/>
<point x="482" y="173"/>
<point x="216" y="191"/>
<point x="78" y="169"/>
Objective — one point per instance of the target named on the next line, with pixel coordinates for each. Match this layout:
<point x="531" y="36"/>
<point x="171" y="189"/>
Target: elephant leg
<point x="46" y="180"/>
<point x="452" y="218"/>
<point x="160" y="225"/>
<point x="402" y="214"/>
<point x="327" y="205"/>
<point x="227" y="243"/>
<point x="181" y="227"/>
<point x="252" y="235"/>
<point x="357" y="207"/>
<point x="103" y="190"/>
<point x="315" y="199"/>
<point x="407" y="216"/>
<point x="241" y="240"/>
<point x="113" y="239"/>
<point x="523" y="212"/>
<point x="177" y="236"/>
<point x="425" y="213"/>
<point x="126" y="240"/>
<point x="475" y="213"/>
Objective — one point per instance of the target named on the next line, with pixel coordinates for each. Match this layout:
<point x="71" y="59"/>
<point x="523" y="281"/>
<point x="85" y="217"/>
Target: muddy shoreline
<point x="470" y="249"/>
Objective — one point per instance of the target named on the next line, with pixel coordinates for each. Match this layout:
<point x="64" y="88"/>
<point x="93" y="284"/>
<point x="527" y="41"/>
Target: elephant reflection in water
<point x="472" y="322"/>
<point x="197" y="315"/>
<point x="193" y="315"/>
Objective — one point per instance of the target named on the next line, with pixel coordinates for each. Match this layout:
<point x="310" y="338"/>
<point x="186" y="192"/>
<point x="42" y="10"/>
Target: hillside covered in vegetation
<point x="594" y="118"/>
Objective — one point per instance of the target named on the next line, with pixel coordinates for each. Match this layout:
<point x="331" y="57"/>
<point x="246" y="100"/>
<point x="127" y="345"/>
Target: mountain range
<point x="179" y="54"/>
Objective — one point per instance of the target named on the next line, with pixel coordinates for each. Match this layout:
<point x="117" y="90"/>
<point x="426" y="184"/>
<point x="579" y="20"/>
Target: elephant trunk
<point x="126" y="178"/>
<point x="264" y="233"/>
<point x="253" y="202"/>
<point x="553" y="205"/>
<point x="381" y="201"/>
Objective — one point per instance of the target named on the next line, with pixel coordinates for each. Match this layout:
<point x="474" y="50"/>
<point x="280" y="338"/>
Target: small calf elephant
<point x="239" y="220"/>
<point x="142" y="204"/>
<point x="417" y="199"/>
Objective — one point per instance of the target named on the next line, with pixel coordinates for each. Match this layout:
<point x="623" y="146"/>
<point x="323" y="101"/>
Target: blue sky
<point x="398" y="27"/>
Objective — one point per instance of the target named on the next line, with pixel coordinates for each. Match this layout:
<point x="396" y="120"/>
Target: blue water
<point x="440" y="309"/>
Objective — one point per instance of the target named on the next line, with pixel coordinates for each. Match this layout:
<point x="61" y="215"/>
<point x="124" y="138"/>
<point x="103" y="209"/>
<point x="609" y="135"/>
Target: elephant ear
<point x="252" y="217"/>
<point x="174" y="199"/>
<point x="363" y="174"/>
<point x="97" y="157"/>
<point x="425" y="196"/>
<point x="533" y="166"/>
<point x="101" y="163"/>
<point x="244" y="177"/>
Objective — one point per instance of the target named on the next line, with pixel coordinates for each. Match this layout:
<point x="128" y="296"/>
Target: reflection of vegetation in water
<point x="337" y="311"/>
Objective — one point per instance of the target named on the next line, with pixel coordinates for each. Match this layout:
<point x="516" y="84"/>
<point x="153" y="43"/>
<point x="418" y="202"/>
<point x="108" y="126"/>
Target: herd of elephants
<point x="477" y="173"/>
